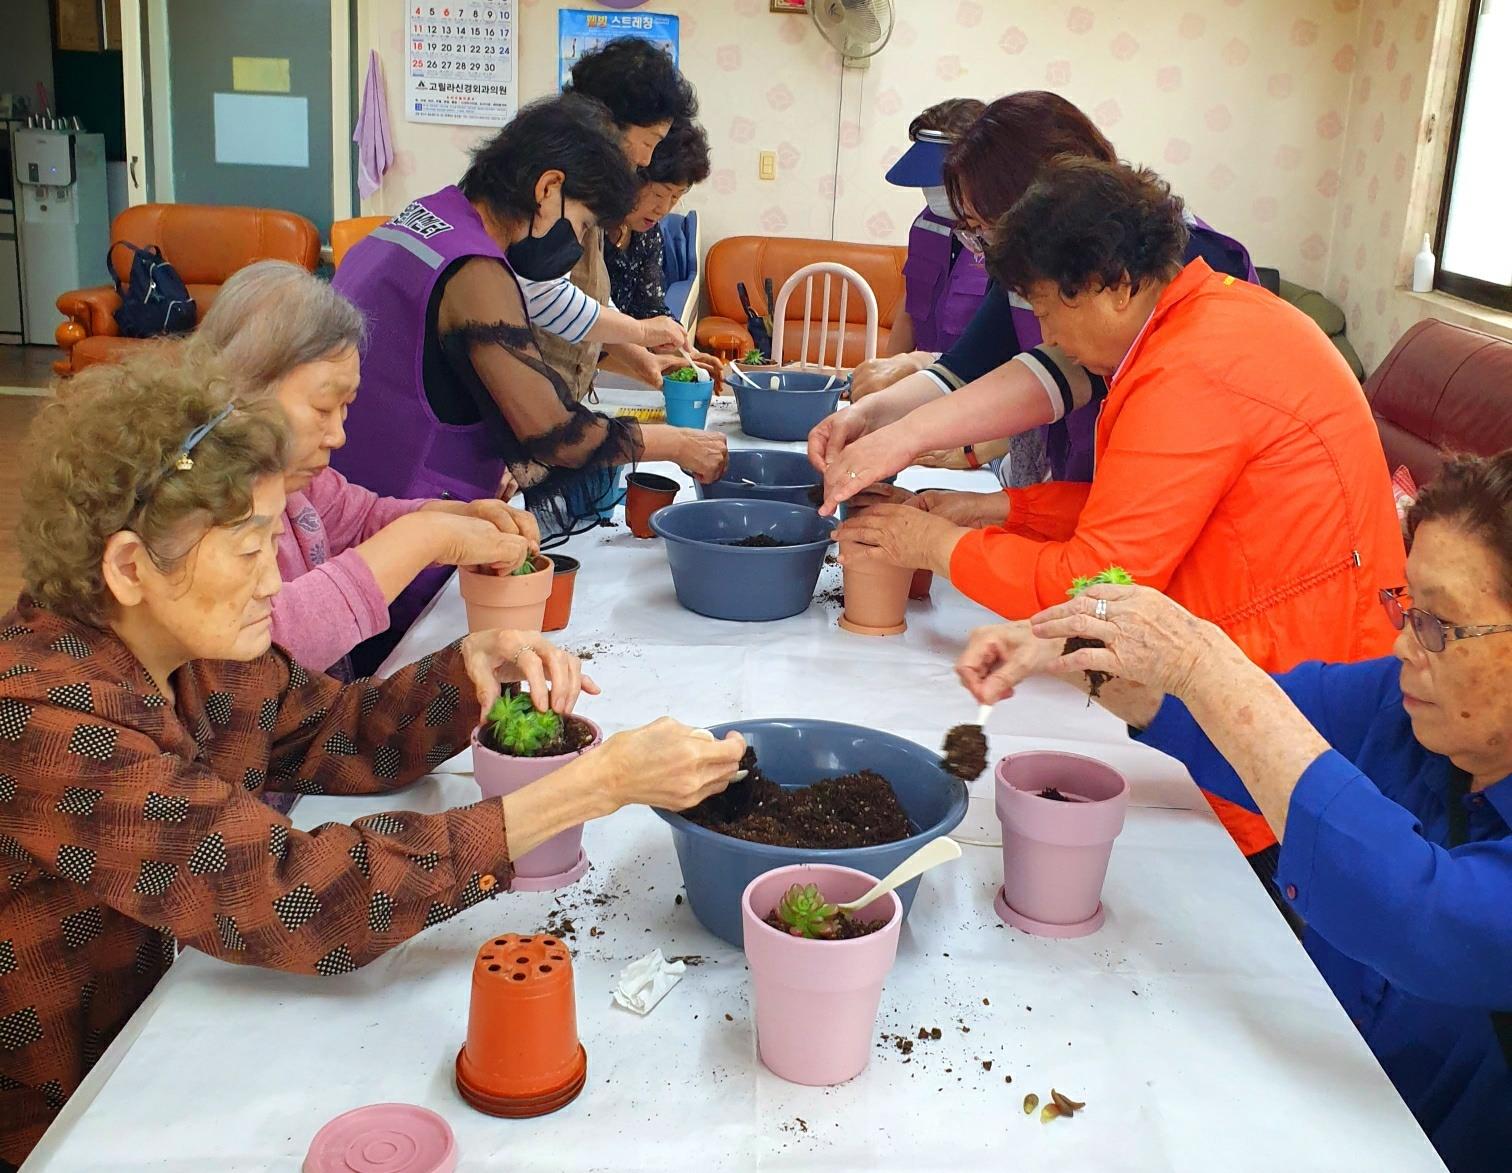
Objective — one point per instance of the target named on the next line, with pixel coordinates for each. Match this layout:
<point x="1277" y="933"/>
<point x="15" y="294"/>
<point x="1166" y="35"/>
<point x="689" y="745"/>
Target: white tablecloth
<point x="1192" y="1024"/>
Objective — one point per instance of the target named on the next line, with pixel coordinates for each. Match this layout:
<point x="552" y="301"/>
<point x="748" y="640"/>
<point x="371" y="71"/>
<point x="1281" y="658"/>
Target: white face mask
<point x="939" y="203"/>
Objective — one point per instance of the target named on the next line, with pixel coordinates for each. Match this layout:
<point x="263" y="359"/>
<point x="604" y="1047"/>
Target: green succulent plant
<point x="526" y="567"/>
<point x="1114" y="575"/>
<point x="684" y="375"/>
<point x="517" y="728"/>
<point x="806" y="913"/>
<point x="753" y="357"/>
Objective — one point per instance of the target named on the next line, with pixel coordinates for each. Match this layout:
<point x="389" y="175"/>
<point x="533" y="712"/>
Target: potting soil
<point x="759" y="542"/>
<point x="1096" y="679"/>
<point x="575" y="735"/>
<point x="845" y="928"/>
<point x="965" y="752"/>
<point x="856" y="810"/>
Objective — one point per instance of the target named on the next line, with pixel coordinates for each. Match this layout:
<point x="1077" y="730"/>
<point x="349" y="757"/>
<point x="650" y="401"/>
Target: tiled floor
<point x="27" y="366"/>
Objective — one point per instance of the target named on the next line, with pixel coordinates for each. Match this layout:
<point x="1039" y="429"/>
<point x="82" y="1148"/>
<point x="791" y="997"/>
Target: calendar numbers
<point x="461" y="67"/>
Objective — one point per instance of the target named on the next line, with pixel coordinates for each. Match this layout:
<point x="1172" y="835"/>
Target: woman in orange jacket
<point x="1238" y="468"/>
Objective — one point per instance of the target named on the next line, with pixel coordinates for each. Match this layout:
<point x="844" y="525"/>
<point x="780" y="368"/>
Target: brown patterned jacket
<point x="129" y="827"/>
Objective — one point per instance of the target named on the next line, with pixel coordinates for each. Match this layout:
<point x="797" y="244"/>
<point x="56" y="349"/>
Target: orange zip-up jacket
<point x="1239" y="471"/>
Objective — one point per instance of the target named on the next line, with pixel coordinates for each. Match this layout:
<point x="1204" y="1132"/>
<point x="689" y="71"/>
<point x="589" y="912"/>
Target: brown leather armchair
<point x="1443" y="388"/>
<point x="752" y="259"/>
<point x="204" y="244"/>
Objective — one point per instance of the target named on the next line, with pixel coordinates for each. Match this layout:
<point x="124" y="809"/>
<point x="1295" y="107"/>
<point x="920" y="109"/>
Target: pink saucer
<point x="1039" y="928"/>
<point x="383" y="1138"/>
<point x="547" y="883"/>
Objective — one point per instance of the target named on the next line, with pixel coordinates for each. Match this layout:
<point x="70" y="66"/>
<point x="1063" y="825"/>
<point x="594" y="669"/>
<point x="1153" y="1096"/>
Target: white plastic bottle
<point x="1423" y="266"/>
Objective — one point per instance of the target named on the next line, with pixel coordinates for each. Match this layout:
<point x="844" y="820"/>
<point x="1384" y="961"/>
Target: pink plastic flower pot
<point x="816" y="1001"/>
<point x="560" y="860"/>
<point x="1055" y="854"/>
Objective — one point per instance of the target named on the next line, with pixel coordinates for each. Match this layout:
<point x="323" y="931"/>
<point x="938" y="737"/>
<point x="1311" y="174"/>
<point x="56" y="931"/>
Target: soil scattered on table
<point x="846" y="929"/>
<point x="856" y="810"/>
<point x="691" y="959"/>
<point x="965" y="752"/>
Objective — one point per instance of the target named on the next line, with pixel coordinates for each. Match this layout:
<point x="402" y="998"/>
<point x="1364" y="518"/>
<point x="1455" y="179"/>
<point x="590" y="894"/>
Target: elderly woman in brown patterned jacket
<point x="143" y="712"/>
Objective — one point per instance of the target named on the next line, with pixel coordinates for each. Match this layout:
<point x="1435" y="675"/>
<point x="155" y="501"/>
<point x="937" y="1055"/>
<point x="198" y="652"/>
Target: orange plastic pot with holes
<point x="522" y="1056"/>
<point x="918" y="588"/>
<point x="559" y="603"/>
<point x="645" y="493"/>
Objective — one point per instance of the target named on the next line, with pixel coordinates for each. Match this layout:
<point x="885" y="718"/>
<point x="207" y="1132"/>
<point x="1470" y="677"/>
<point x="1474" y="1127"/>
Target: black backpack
<point x="155" y="300"/>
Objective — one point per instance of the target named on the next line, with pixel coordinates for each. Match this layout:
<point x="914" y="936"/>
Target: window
<point x="1475" y="227"/>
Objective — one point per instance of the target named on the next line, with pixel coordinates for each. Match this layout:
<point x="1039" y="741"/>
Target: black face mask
<point x="545" y="258"/>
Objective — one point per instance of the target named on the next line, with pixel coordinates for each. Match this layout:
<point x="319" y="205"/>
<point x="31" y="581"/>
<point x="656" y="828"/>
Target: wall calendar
<point x="461" y="63"/>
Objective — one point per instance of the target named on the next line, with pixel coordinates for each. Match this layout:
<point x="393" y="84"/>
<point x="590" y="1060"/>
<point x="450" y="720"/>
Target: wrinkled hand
<point x="506" y="520"/>
<point x="999" y="658"/>
<point x="1150" y="639"/>
<point x="863" y="463"/>
<point x="880" y="494"/>
<point x="641" y="365"/>
<point x="972" y="510"/>
<point x="668" y="765"/>
<point x="663" y="331"/>
<point x="555" y="677"/>
<point x="831" y="435"/>
<point x="901" y="535"/>
<point x="462" y="540"/>
<point x="881" y="373"/>
<point x="704" y="456"/>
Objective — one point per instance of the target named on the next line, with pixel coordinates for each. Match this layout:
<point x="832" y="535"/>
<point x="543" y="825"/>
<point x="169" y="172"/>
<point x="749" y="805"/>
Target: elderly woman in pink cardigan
<point x="345" y="553"/>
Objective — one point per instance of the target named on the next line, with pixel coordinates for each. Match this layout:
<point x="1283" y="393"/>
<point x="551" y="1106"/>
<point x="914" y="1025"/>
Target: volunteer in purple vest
<point x="345" y="553"/>
<point x="943" y="281"/>
<point x="455" y="390"/>
<point x="996" y="382"/>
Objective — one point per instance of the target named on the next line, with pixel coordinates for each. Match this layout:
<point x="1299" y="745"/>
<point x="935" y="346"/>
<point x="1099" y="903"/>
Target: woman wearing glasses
<point x="997" y="379"/>
<point x="1389" y="783"/>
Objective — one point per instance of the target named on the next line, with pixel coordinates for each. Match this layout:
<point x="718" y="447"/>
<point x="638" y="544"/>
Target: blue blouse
<point x="1414" y="938"/>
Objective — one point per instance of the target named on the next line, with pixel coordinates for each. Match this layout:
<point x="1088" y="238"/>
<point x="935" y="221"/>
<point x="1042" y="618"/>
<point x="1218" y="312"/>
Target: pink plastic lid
<point x="384" y="1138"/>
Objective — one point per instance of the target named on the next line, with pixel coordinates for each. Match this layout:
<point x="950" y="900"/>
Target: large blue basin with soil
<point x="791" y="411"/>
<point x="717" y="578"/>
<point x="778" y="475"/>
<point x="796" y="752"/>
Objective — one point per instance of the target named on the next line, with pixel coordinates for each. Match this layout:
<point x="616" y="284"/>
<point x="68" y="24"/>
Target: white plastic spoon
<point x="749" y="382"/>
<point x="932" y="854"/>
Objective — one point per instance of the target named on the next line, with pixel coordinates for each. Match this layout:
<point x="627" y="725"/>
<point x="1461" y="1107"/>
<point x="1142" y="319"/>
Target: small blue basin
<point x="779" y="475"/>
<point x="790" y="411"/>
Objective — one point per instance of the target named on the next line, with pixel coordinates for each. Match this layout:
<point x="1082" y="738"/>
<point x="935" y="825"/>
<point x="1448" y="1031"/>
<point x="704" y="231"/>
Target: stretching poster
<point x="579" y="30"/>
<point x="461" y="63"/>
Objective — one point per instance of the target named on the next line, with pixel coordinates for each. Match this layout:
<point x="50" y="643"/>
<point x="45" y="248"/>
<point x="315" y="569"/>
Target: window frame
<point x="1474" y="289"/>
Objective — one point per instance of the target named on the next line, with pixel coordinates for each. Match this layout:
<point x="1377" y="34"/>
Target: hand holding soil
<point x="668" y="765"/>
<point x="555" y="677"/>
<point x="1147" y="638"/>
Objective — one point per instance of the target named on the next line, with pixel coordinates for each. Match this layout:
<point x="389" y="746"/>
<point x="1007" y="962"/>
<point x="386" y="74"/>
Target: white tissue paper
<point x="644" y="983"/>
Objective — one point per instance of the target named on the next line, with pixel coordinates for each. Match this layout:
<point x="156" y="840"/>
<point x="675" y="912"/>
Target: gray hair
<point x="273" y="317"/>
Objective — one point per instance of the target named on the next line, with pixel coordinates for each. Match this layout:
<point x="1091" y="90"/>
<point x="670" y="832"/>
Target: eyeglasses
<point x="972" y="242"/>
<point x="1431" y="631"/>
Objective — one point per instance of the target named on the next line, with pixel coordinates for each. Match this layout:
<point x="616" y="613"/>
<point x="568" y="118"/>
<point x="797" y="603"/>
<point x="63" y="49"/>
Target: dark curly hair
<point x="1088" y="225"/>
<point x="682" y="158"/>
<point x="637" y="81"/>
<point x="1475" y="493"/>
<point x="100" y="459"/>
<point x="572" y="134"/>
<point x="952" y="117"/>
<point x="998" y="155"/>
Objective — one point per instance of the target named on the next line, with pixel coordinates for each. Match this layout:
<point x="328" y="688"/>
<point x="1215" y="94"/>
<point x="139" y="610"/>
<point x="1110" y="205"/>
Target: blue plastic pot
<point x="687" y="403"/>
<point x="779" y="475"/>
<point x="723" y="581"/>
<point x="792" y="410"/>
<point x="796" y="752"/>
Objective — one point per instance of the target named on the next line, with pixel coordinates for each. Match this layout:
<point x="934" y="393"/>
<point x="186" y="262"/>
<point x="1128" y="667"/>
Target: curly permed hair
<point x="100" y="459"/>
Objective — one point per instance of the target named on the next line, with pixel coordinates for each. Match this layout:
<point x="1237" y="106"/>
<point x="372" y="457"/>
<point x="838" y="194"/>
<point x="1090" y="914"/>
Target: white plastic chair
<point x="831" y="270"/>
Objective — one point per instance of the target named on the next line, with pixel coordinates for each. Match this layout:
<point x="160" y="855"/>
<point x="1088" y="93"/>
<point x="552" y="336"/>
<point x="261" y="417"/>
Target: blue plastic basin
<point x="797" y="752"/>
<point x="723" y="581"/>
<point x="687" y="403"/>
<point x="779" y="475"/>
<point x="792" y="410"/>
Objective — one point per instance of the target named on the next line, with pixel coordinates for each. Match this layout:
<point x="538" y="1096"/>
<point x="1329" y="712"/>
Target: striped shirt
<point x="559" y="307"/>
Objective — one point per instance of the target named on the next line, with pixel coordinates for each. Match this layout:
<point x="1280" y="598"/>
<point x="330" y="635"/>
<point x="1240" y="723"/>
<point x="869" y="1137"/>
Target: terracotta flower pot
<point x="559" y="602"/>
<point x="918" y="587"/>
<point x="816" y="1001"/>
<point x="876" y="595"/>
<point x="522" y="1056"/>
<point x="560" y="860"/>
<point x="1055" y="854"/>
<point x="512" y="601"/>
<point x="645" y="493"/>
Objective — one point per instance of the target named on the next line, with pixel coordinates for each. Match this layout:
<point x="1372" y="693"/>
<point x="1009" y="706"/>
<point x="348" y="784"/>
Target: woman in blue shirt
<point x="1389" y="783"/>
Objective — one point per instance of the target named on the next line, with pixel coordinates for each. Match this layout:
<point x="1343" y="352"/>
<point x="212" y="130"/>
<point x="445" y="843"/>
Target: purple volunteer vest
<point x="941" y="295"/>
<point x="395" y="444"/>
<point x="1070" y="444"/>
